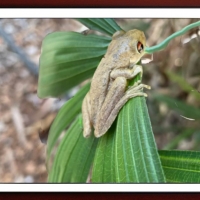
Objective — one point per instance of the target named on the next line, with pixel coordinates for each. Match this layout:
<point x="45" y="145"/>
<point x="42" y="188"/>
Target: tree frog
<point x="108" y="91"/>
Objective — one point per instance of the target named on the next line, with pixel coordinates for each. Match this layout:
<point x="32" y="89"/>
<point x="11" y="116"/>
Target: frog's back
<point x="120" y="51"/>
<point x="101" y="80"/>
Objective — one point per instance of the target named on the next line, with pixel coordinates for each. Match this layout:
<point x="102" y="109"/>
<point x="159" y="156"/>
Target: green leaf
<point x="181" y="166"/>
<point x="183" y="84"/>
<point x="107" y="26"/>
<point x="179" y="106"/>
<point x="104" y="162"/>
<point x="128" y="153"/>
<point x="136" y="154"/>
<point x="67" y="59"/>
<point x="64" y="117"/>
<point x="74" y="156"/>
<point x="183" y="135"/>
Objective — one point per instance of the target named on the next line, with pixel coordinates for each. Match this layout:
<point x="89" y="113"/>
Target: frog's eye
<point x="139" y="47"/>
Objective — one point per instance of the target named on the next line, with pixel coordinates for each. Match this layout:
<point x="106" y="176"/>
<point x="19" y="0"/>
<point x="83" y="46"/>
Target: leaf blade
<point x="107" y="26"/>
<point x="62" y="120"/>
<point x="179" y="106"/>
<point x="67" y="59"/>
<point x="181" y="166"/>
<point x="134" y="151"/>
<point x="103" y="167"/>
<point x="74" y="156"/>
<point x="183" y="84"/>
<point x="143" y="161"/>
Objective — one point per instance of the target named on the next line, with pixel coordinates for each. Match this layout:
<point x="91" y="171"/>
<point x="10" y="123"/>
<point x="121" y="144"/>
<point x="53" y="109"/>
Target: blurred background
<point x="173" y="102"/>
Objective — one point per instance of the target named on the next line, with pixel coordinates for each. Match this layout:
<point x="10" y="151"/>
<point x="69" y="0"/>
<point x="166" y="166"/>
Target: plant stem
<point x="164" y="43"/>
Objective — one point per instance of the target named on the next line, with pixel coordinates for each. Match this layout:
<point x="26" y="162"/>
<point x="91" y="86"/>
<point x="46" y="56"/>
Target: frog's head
<point x="126" y="48"/>
<point x="137" y="44"/>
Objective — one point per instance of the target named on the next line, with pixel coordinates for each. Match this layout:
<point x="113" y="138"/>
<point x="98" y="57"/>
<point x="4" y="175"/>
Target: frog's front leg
<point x="116" y="97"/>
<point x="128" y="73"/>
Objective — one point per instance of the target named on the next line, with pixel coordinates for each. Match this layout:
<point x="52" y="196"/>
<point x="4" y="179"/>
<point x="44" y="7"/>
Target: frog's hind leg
<point x="114" y="94"/>
<point x="86" y="113"/>
<point x="114" y="101"/>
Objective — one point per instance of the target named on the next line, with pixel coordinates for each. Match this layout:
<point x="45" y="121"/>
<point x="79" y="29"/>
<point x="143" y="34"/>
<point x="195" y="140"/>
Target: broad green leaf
<point x="108" y="26"/>
<point x="136" y="155"/>
<point x="64" y="117"/>
<point x="183" y="84"/>
<point x="104" y="162"/>
<point x="181" y="166"/>
<point x="67" y="59"/>
<point x="74" y="156"/>
<point x="128" y="152"/>
<point x="179" y="106"/>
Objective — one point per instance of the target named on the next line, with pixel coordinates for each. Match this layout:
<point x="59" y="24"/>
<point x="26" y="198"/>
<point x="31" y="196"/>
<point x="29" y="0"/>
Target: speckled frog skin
<point x="108" y="91"/>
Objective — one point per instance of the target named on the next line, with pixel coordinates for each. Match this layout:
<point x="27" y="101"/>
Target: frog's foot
<point x="137" y="87"/>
